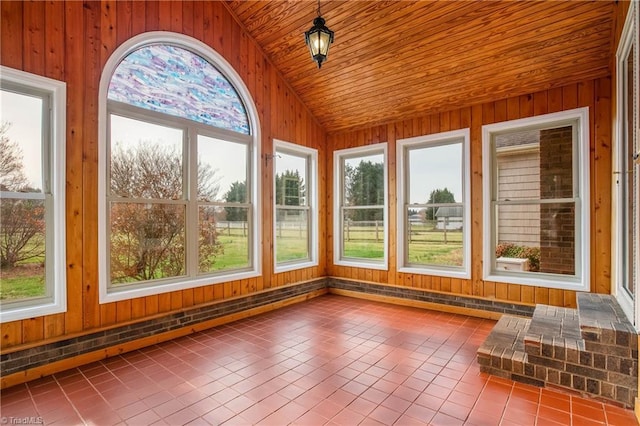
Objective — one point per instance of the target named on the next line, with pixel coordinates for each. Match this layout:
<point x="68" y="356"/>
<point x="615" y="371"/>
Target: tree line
<point x="148" y="239"/>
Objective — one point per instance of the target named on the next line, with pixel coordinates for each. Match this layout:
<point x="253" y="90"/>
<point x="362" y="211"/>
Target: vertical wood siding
<point x="71" y="41"/>
<point x="595" y="94"/>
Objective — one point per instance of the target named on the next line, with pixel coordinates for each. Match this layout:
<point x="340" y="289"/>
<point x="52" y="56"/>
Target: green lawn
<point x="427" y="247"/>
<point x="235" y="252"/>
<point x="435" y="254"/>
<point x="364" y="249"/>
<point x="22" y="283"/>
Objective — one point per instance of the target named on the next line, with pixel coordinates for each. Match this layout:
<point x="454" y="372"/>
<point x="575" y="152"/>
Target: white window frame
<point x="581" y="280"/>
<point x="109" y="294"/>
<point x="428" y="141"/>
<point x="54" y="172"/>
<point x="311" y="184"/>
<point x="628" y="40"/>
<point x="338" y="180"/>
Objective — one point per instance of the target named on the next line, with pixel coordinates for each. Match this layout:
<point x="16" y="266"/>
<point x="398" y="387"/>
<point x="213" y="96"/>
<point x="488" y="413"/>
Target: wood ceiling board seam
<point x="454" y="102"/>
<point x="430" y="75"/>
<point x="355" y="63"/>
<point x="355" y="59"/>
<point x="268" y="59"/>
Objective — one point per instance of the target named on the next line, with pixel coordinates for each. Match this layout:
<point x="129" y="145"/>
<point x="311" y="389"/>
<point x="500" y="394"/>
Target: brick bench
<point x="592" y="349"/>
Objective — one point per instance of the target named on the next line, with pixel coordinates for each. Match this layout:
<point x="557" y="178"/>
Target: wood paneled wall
<point x="595" y="94"/>
<point x="71" y="41"/>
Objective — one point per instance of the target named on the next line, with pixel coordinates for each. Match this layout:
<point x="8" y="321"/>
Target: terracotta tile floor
<point x="333" y="360"/>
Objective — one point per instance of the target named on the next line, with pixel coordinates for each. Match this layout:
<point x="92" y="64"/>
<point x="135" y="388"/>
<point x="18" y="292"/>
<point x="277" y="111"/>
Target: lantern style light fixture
<point x="319" y="38"/>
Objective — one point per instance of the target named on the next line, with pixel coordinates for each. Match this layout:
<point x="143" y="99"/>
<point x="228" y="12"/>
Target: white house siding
<point x="519" y="178"/>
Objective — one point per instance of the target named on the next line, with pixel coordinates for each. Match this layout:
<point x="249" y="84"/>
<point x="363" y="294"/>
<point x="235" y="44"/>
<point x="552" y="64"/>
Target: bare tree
<point x="148" y="239"/>
<point x="22" y="231"/>
<point x="22" y="227"/>
<point x="12" y="177"/>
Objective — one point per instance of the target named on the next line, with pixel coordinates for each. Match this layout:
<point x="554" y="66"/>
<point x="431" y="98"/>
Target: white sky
<point x="212" y="151"/>
<point x="433" y="168"/>
<point x="286" y="162"/>
<point x="216" y="153"/>
<point x="25" y="115"/>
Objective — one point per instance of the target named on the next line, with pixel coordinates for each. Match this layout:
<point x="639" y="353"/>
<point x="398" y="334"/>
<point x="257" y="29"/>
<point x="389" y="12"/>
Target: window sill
<point x="437" y="272"/>
<point x="111" y="295"/>
<point x="548" y="281"/>
<point x="286" y="267"/>
<point x="382" y="265"/>
<point x="33" y="311"/>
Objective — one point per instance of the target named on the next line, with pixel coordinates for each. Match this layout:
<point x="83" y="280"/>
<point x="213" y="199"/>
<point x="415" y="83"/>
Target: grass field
<point x="22" y="282"/>
<point x="427" y="247"/>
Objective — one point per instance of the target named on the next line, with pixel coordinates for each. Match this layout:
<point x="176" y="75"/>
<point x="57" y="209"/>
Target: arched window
<point x="177" y="169"/>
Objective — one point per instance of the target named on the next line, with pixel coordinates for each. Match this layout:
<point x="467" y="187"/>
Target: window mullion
<point x="535" y="201"/>
<point x="22" y="195"/>
<point x="192" y="225"/>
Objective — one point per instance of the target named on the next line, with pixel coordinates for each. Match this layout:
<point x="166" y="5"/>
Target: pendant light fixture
<point x="319" y="38"/>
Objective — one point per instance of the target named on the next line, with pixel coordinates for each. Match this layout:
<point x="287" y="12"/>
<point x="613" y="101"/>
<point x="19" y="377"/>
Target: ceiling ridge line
<point x="278" y="72"/>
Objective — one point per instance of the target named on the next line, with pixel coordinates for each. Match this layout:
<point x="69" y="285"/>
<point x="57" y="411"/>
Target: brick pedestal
<point x="592" y="350"/>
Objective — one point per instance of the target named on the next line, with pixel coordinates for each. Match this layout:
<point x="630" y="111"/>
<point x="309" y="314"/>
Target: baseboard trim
<point x="86" y="358"/>
<point x="35" y="360"/>
<point x="417" y="304"/>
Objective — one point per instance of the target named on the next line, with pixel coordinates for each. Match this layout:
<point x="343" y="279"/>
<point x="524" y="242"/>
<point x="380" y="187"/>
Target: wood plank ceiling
<point x="393" y="60"/>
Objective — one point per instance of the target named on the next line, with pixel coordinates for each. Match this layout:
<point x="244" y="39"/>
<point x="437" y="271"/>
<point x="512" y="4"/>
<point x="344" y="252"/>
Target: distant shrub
<point x="520" y="252"/>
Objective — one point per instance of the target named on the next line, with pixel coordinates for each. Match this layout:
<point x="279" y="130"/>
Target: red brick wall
<point x="557" y="221"/>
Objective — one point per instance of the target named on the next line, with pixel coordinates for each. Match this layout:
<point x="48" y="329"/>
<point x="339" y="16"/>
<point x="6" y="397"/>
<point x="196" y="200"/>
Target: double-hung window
<point x="433" y="204"/>
<point x="32" y="204"/>
<point x="178" y="170"/>
<point x="536" y="200"/>
<point x="360" y="206"/>
<point x="296" y="206"/>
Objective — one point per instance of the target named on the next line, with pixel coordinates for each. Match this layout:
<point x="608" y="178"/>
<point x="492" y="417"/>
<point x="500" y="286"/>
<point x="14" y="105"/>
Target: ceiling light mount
<point x="319" y="39"/>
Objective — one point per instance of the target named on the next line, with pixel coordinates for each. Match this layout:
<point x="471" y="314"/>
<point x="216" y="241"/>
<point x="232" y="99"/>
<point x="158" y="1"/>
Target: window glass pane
<point x="434" y="220"/>
<point x="534" y="236"/>
<point x="363" y="233"/>
<point x="22" y="220"/>
<point x="175" y="81"/>
<point x="518" y="237"/>
<point x="147" y="241"/>
<point x="364" y="181"/>
<point x="224" y="239"/>
<point x="292" y="230"/>
<point x="518" y="163"/>
<point x="435" y="174"/>
<point x="535" y="164"/>
<point x="541" y="234"/>
<point x="291" y="171"/>
<point x="21" y="134"/>
<point x="628" y="182"/>
<point x="22" y="249"/>
<point x="557" y="238"/>
<point x="292" y="235"/>
<point x="146" y="160"/>
<point x="222" y="171"/>
<point x="435" y="242"/>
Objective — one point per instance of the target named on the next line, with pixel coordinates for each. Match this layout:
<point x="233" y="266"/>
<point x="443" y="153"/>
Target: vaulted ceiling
<point x="401" y="59"/>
